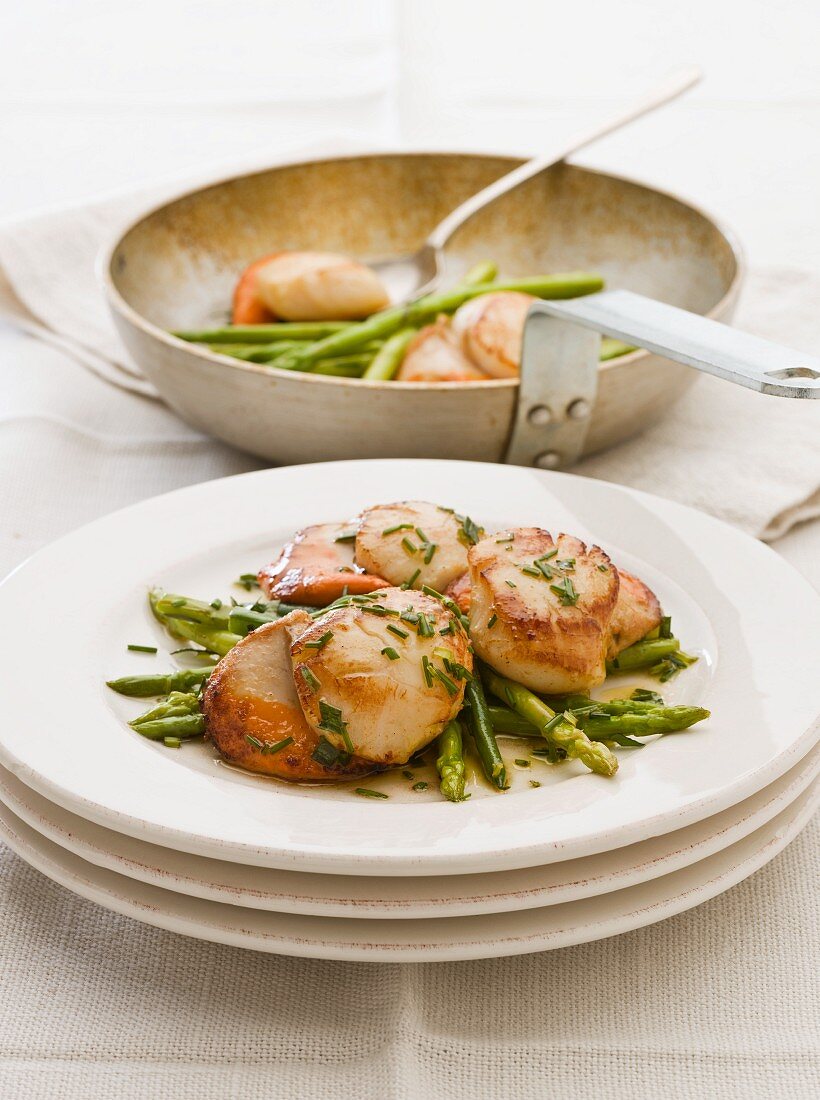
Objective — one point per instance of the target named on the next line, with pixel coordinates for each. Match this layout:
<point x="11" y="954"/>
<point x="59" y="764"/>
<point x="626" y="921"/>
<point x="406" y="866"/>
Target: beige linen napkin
<point x="752" y="460"/>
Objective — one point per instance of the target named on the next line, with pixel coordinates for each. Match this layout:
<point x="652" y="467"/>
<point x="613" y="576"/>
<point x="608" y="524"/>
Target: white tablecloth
<point x="718" y="1002"/>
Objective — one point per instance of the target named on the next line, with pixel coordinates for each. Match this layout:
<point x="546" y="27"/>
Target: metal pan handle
<point x="559" y="365"/>
<point x="689" y="338"/>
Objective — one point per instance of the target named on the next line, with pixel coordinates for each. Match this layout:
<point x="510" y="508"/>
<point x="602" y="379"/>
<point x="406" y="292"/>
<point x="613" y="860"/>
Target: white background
<point x="96" y="94"/>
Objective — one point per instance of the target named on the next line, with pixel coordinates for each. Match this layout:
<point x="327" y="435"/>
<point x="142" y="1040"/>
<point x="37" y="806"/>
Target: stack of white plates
<point x="175" y="838"/>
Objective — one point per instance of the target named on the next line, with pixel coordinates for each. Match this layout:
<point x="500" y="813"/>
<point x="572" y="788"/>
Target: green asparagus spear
<point x="599" y="724"/>
<point x="484" y="272"/>
<point x="258" y="353"/>
<point x="244" y="619"/>
<point x="182" y="726"/>
<point x="643" y="653"/>
<point x="608" y="721"/>
<point x="482" y="730"/>
<point x="450" y="762"/>
<point x="343" y="366"/>
<point x="556" y="730"/>
<point x="177" y="704"/>
<point x="391" y="320"/>
<point x="211" y="637"/>
<point x="388" y="360"/>
<point x="162" y="683"/>
<point x="264" y="334"/>
<point x="167" y="605"/>
<point x="611" y="348"/>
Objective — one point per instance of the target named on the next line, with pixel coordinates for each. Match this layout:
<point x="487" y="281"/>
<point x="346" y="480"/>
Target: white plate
<point x="386" y="898"/>
<point x="753" y="619"/>
<point x="444" y="939"/>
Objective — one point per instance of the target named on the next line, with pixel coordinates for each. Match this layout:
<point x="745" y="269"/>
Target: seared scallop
<point x="491" y="331"/>
<point x="541" y="609"/>
<point x="377" y="678"/>
<point x="317" y="568"/>
<point x="414" y="543"/>
<point x="252" y="711"/>
<point x="319" y="286"/>
<point x="637" y="611"/>
<point x="434" y="355"/>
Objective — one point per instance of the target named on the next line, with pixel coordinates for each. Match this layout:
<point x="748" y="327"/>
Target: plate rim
<point x="747" y="820"/>
<point x="744" y="785"/>
<point x="756" y="850"/>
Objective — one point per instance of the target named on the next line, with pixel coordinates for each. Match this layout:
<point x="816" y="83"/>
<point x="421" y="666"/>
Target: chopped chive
<point x="426" y="669"/>
<point x="216" y="605"/>
<point x="142" y="648"/>
<point x="346" y="536"/>
<point x="507" y="538"/>
<point x="171" y="742"/>
<point x="421" y="534"/>
<point x="512" y="584"/>
<point x="425" y="628"/>
<point x="412" y="581"/>
<point x="442" y="653"/>
<point x="398" y="527"/>
<point x="566" y="564"/>
<point x="420" y="786"/>
<point x="546" y="571"/>
<point x="410" y="616"/>
<point x="410" y="548"/>
<point x="522" y="763"/>
<point x="531" y="571"/>
<point x="492" y="621"/>
<point x="397" y="630"/>
<point x="257" y="744"/>
<point x="443" y="679"/>
<point x="469" y="531"/>
<point x="565" y="590"/>
<point x="448" y="629"/>
<point x="332" y="722"/>
<point x="247" y="581"/>
<point x="534" y="783"/>
<point x="645" y="695"/>
<point x="365" y="793"/>
<point x="270" y="747"/>
<point x="603" y="568"/>
<point x="325" y="753"/>
<point x="311" y="680"/>
<point x="408" y="774"/>
<point x="450" y="511"/>
<point x="428" y="591"/>
<point x="459" y="671"/>
<point x="320" y="642"/>
<point x="431" y="549"/>
<point x="390" y="653"/>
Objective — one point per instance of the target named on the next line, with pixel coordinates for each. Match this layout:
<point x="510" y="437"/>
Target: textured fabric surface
<point x="717" y="1002"/>
<point x="752" y="460"/>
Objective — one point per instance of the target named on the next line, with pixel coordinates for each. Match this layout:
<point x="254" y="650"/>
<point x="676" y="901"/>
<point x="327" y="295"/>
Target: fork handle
<point x="697" y="341"/>
<point x="674" y="84"/>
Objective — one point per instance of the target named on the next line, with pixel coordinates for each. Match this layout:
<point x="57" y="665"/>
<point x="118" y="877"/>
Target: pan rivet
<point x="578" y="409"/>
<point x="549" y="460"/>
<point x="539" y="414"/>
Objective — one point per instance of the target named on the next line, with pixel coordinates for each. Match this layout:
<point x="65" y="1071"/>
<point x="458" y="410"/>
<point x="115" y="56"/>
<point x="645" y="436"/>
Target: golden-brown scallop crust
<point x="521" y="627"/>
<point x="388" y="708"/>
<point x="637" y="611"/>
<point x="250" y="693"/>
